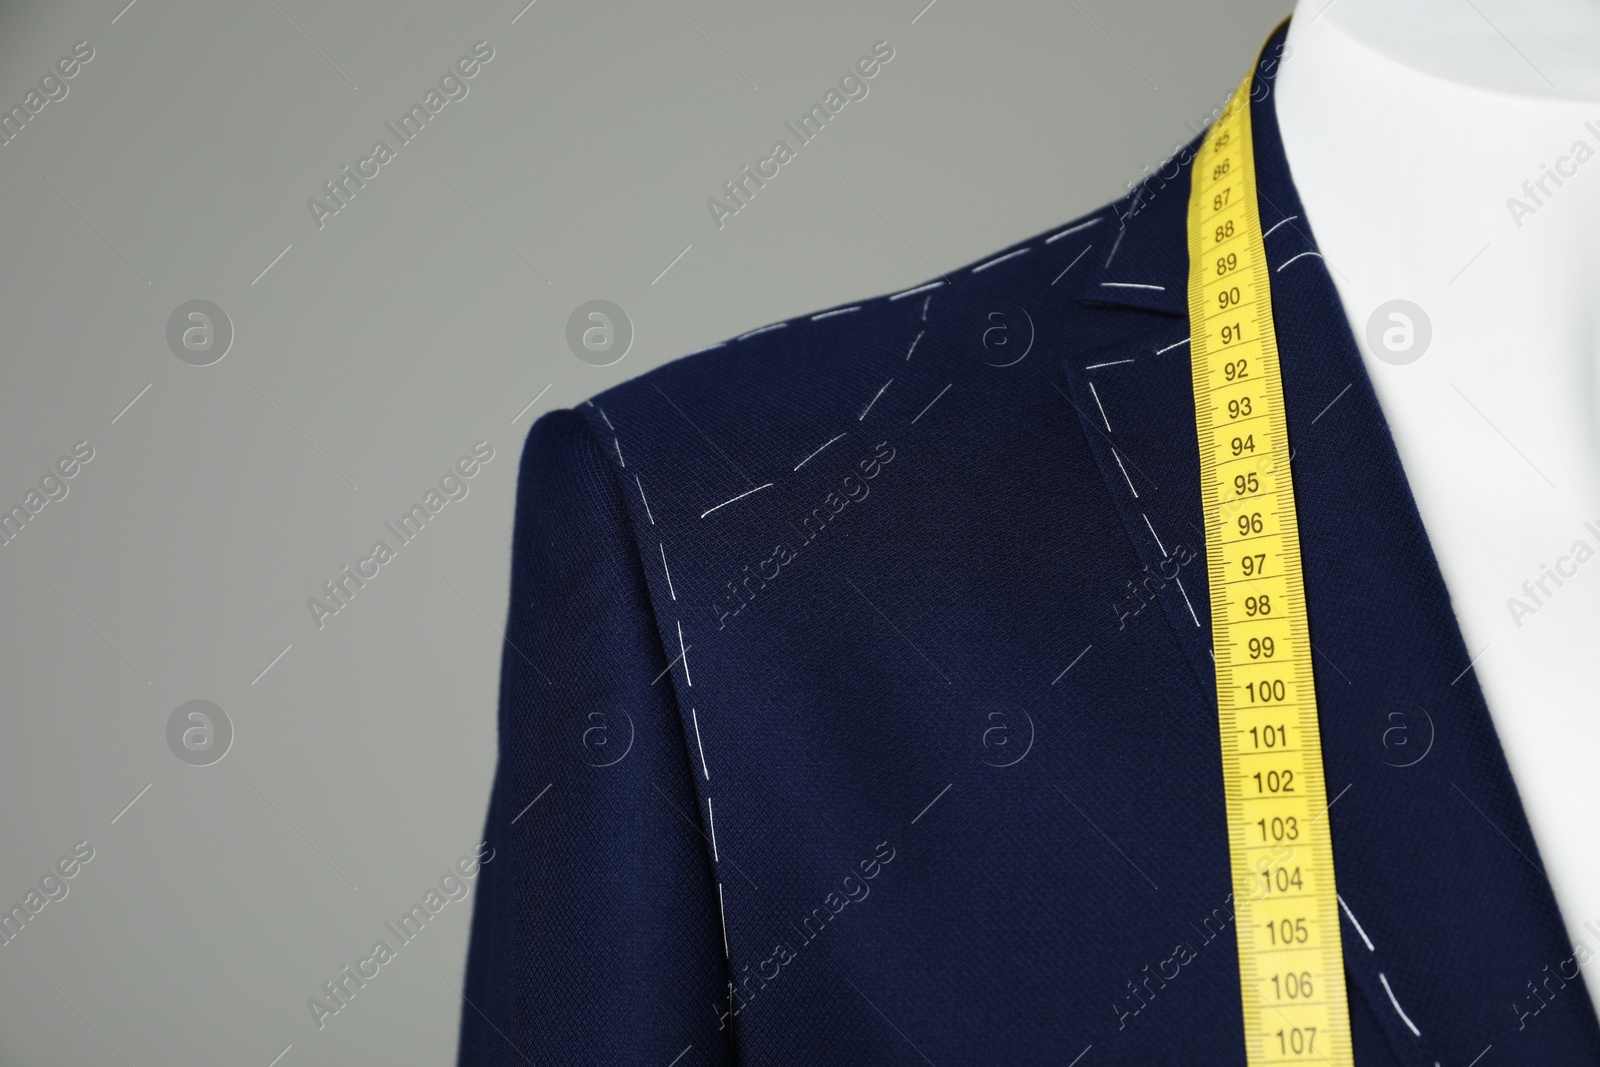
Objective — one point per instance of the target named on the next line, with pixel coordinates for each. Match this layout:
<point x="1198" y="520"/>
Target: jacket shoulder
<point x="760" y="398"/>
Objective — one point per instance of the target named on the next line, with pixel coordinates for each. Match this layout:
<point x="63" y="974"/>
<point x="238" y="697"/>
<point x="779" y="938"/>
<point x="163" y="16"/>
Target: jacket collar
<point x="1135" y="398"/>
<point x="1361" y="537"/>
<point x="1141" y="261"/>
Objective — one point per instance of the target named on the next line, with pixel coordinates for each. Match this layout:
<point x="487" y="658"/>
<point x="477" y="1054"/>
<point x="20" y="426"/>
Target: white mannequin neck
<point x="1409" y="125"/>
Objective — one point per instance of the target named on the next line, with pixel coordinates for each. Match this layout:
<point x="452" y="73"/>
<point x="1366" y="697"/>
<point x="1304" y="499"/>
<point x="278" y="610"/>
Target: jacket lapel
<point x="1429" y="839"/>
<point x="1135" y="401"/>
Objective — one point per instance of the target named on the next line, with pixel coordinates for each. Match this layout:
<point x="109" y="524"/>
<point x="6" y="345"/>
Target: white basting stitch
<point x="1173" y="345"/>
<point x="1179" y="583"/>
<point x="1074" y="263"/>
<point x="1072" y="229"/>
<point x="640" y="484"/>
<point x="1117" y="243"/>
<point x="1095" y="393"/>
<point x="831" y="314"/>
<point x="1124" y="471"/>
<point x="724" y="919"/>
<point x="683" y="653"/>
<point x="764" y="329"/>
<point x="741" y="496"/>
<point x="1113" y="363"/>
<point x="667" y="571"/>
<point x="618" y="442"/>
<point x="1280" y="222"/>
<point x="708" y="348"/>
<point x="711" y="820"/>
<point x="918" y="289"/>
<point x="1132" y="285"/>
<point x="1351" y="916"/>
<point x="602" y="412"/>
<point x="1152" y="530"/>
<point x="1398" y="1010"/>
<point x="914" y="341"/>
<point x="1001" y="259"/>
<point x="925" y="302"/>
<point x="1302" y="255"/>
<point x="873" y="401"/>
<point x="825" y="444"/>
<point x="699" y="744"/>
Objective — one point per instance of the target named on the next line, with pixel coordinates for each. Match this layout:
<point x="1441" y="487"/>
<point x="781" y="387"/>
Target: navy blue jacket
<point x="857" y="704"/>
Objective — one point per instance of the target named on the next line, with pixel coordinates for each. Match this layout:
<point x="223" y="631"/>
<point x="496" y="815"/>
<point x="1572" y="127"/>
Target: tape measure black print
<point x="1291" y="962"/>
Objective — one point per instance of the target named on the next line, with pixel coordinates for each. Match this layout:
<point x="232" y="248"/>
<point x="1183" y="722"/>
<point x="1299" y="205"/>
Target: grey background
<point x="425" y="316"/>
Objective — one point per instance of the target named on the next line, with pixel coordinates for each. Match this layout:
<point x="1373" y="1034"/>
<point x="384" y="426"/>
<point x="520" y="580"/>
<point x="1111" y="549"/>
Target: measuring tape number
<point x="1291" y="962"/>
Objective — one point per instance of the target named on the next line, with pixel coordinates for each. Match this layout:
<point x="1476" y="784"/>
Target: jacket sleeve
<point x="596" y="934"/>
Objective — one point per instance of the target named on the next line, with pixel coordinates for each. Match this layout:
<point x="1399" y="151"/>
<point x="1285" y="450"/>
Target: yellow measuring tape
<point x="1291" y="964"/>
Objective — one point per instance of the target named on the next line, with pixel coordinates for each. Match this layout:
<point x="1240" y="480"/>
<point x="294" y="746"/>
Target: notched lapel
<point x="1135" y="402"/>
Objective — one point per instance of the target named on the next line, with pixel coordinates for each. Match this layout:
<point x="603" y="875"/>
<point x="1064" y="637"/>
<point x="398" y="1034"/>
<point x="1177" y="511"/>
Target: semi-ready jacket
<point x="858" y="707"/>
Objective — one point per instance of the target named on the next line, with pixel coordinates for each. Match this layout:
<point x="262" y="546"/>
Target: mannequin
<point x="1435" y="145"/>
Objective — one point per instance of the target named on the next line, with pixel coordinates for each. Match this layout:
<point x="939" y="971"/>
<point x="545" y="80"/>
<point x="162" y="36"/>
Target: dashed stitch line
<point x="873" y="401"/>
<point x="667" y="571"/>
<point x="1112" y="363"/>
<point x="1152" y="530"/>
<point x="1117" y="243"/>
<point x="1302" y="255"/>
<point x="1280" y="222"/>
<point x="711" y="819"/>
<point x="1071" y="230"/>
<point x="741" y="496"/>
<point x="764" y="329"/>
<point x="1124" y="471"/>
<point x="914" y="341"/>
<point x="1001" y="259"/>
<point x="1351" y="916"/>
<point x="1074" y="263"/>
<point x="684" y="654"/>
<point x="722" y="917"/>
<point x="1094" y="393"/>
<point x="643" y="499"/>
<point x="1133" y="205"/>
<point x="825" y="444"/>
<point x="708" y="348"/>
<point x="1176" y="581"/>
<point x="1173" y="345"/>
<point x="700" y="744"/>
<point x="1132" y="285"/>
<point x="603" y="415"/>
<point x="925" y="302"/>
<point x="618" y="443"/>
<point x="831" y="314"/>
<point x="1398" y="1010"/>
<point x="918" y="289"/>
